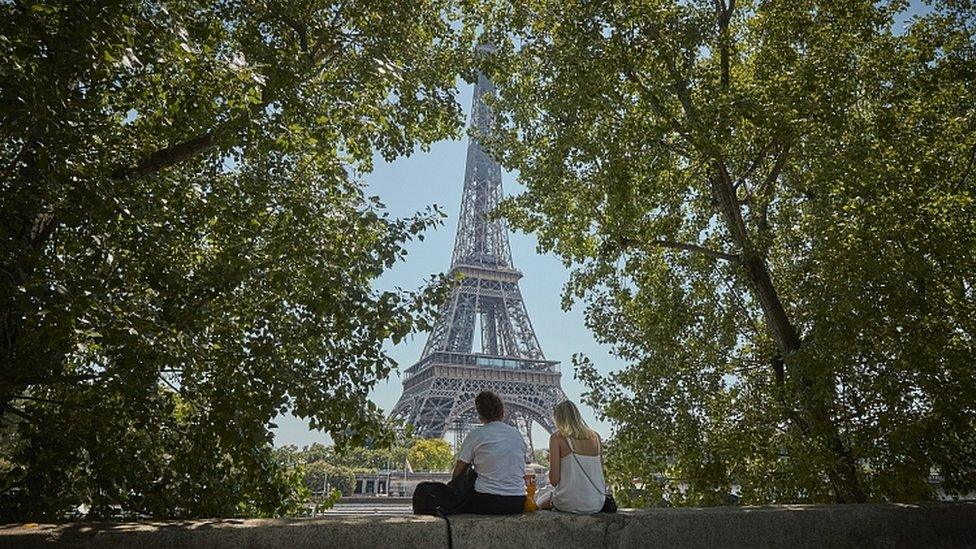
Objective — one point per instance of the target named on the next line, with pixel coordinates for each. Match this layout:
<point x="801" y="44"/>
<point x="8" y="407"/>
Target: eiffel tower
<point x="439" y="390"/>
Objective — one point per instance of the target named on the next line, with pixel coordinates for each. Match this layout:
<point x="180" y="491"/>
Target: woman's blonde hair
<point x="569" y="423"/>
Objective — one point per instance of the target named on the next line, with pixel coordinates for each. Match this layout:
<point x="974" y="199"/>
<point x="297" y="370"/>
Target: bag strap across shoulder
<point x="582" y="470"/>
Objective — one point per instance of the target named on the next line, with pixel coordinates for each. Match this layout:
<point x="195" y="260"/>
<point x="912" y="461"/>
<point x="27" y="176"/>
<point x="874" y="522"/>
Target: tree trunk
<point x="814" y="417"/>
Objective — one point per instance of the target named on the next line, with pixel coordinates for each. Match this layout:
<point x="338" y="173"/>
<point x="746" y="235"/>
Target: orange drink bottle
<point x="530" y="506"/>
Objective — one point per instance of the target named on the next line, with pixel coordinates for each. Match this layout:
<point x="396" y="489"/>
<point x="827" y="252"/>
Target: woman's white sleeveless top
<point x="574" y="493"/>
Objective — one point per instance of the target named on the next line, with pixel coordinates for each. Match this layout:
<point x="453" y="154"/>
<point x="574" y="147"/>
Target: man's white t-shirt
<point x="497" y="451"/>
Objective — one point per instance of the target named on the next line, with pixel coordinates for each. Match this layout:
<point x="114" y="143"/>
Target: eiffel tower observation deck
<point x="439" y="390"/>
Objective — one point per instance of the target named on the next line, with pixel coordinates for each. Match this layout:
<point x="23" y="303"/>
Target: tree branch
<point x="777" y="169"/>
<point x="754" y="164"/>
<point x="765" y="189"/>
<point x="52" y="380"/>
<point x="37" y="399"/>
<point x="680" y="86"/>
<point x="695" y="248"/>
<point x="724" y="194"/>
<point x="19" y="413"/>
<point x="968" y="171"/>
<point x="169" y="156"/>
<point x="211" y="139"/>
<point x="658" y="107"/>
<point x="724" y="16"/>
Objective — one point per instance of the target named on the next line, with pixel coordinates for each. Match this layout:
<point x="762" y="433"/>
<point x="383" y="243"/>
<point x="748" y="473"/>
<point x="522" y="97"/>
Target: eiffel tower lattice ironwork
<point x="439" y="390"/>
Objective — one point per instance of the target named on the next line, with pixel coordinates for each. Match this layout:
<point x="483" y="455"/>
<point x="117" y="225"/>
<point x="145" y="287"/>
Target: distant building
<point x="402" y="484"/>
<point x="377" y="484"/>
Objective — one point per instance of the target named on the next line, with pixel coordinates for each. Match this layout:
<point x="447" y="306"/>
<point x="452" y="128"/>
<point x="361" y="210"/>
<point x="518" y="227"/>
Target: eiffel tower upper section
<point x="481" y="242"/>
<point x="482" y="255"/>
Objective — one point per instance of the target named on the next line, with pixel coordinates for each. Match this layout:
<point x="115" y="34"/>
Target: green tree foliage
<point x="369" y="458"/>
<point x="185" y="250"/>
<point x="343" y="479"/>
<point x="320" y="464"/>
<point x="430" y="454"/>
<point x="316" y="474"/>
<point x="319" y="474"/>
<point x="770" y="210"/>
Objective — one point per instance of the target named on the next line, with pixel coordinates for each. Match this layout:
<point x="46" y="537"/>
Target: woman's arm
<point x="459" y="467"/>
<point x="554" y="459"/>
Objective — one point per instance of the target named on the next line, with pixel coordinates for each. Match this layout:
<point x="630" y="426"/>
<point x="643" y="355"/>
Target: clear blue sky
<point x="408" y="185"/>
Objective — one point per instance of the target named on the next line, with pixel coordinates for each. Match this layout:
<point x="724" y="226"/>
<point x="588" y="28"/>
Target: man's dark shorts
<point x="491" y="504"/>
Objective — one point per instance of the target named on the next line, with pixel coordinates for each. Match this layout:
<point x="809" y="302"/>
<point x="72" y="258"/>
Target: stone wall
<point x="795" y="527"/>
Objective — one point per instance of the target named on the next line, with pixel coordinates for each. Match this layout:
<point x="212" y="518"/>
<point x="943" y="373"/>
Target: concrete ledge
<point x="337" y="532"/>
<point x="793" y="526"/>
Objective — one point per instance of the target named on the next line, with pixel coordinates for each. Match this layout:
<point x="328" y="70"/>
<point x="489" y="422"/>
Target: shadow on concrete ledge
<point x="792" y="526"/>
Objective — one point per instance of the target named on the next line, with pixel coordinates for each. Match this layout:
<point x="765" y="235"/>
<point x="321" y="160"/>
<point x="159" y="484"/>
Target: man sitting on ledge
<point x="497" y="451"/>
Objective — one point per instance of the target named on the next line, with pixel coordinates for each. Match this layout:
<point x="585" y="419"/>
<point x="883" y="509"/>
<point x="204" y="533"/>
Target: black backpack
<point x="440" y="499"/>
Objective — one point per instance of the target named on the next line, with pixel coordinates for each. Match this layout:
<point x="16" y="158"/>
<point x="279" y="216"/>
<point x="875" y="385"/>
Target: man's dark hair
<point x="489" y="406"/>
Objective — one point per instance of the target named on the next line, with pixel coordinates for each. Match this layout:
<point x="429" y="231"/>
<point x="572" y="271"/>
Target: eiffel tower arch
<point x="439" y="389"/>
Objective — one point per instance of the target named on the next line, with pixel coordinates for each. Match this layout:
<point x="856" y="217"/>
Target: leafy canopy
<point x="430" y="454"/>
<point x="771" y="211"/>
<point x="185" y="248"/>
<point x="327" y="465"/>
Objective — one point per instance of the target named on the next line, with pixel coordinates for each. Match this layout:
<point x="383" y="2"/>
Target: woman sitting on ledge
<point x="497" y="452"/>
<point x="575" y="465"/>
